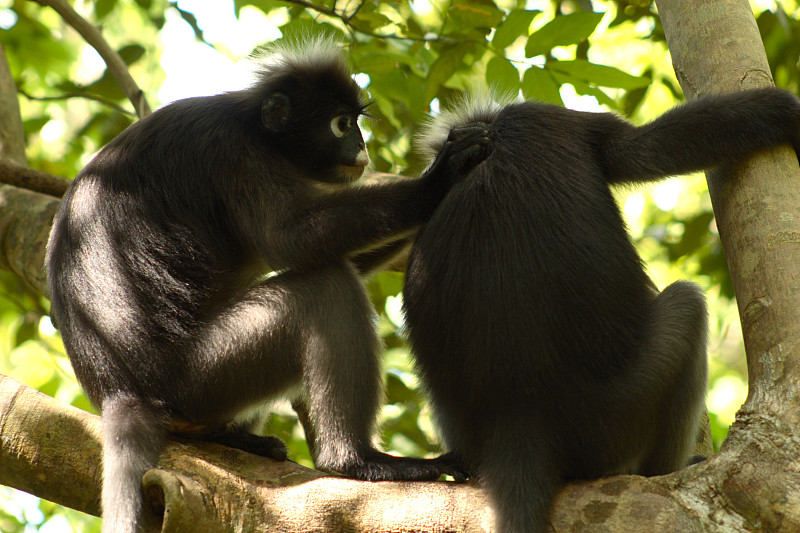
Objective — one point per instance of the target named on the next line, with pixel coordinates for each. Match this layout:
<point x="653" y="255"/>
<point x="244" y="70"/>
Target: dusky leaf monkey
<point x="548" y="353"/>
<point x="157" y="266"/>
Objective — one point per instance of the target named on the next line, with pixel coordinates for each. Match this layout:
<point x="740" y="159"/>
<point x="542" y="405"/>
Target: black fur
<point x="157" y="262"/>
<point x="546" y="349"/>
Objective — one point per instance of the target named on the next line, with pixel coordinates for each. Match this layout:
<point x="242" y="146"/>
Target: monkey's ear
<point x="275" y="112"/>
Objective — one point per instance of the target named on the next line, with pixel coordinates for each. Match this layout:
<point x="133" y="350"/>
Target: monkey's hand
<point x="465" y="148"/>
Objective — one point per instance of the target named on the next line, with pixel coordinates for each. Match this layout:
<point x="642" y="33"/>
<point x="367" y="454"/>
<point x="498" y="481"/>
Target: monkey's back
<point x="142" y="249"/>
<point x="511" y="292"/>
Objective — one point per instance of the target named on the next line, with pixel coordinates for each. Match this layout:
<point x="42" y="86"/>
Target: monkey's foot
<point x="271" y="447"/>
<point x="378" y="466"/>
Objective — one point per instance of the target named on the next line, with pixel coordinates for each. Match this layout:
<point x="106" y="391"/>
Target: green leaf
<point x="562" y="31"/>
<point x="515" y="25"/>
<point x="502" y="76"/>
<point x="397" y="391"/>
<point x="131" y="53"/>
<point x="264" y="5"/>
<point x="476" y="14"/>
<point x="584" y="88"/>
<point x="450" y="59"/>
<point x="600" y="75"/>
<point x="538" y="84"/>
<point x="302" y="27"/>
<point x="191" y="20"/>
<point x="35" y="125"/>
<point x="372" y="21"/>
<point x="103" y="7"/>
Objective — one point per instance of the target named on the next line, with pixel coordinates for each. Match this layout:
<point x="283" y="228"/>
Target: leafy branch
<point x="116" y="65"/>
<point x="87" y="96"/>
<point x="347" y="20"/>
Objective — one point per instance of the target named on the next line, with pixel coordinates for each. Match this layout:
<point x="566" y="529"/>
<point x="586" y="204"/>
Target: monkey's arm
<point x="698" y="135"/>
<point x="336" y="225"/>
<point x="388" y="255"/>
<point x="391" y="254"/>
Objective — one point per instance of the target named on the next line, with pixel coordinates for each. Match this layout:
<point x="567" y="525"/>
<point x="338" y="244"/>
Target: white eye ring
<point x="341" y="124"/>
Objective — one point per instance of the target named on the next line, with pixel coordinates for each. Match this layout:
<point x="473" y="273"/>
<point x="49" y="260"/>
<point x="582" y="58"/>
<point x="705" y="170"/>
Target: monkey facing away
<point x="547" y="351"/>
<point x="157" y="261"/>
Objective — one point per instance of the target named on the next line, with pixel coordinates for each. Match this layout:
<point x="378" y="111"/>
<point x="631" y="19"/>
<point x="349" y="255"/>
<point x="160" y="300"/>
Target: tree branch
<point x="53" y="450"/>
<point x="87" y="96"/>
<point x="116" y="65"/>
<point x="32" y="180"/>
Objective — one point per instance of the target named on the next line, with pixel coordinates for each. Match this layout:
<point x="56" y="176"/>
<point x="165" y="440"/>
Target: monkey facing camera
<point x="548" y="353"/>
<point x="157" y="266"/>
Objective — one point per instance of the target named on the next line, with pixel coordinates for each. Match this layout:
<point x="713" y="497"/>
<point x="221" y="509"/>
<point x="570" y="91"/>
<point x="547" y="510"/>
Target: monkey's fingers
<point x="451" y="464"/>
<point x="467" y="153"/>
<point x="460" y="132"/>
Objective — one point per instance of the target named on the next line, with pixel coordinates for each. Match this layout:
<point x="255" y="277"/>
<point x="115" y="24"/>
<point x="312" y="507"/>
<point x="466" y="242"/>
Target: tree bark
<point x="716" y="48"/>
<point x="12" y="133"/>
<point x="25" y="216"/>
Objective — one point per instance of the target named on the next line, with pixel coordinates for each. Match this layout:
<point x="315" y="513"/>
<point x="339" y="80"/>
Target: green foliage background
<point x="413" y="58"/>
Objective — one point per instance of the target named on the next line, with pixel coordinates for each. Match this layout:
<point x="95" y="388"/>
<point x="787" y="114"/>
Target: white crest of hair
<point x="477" y="105"/>
<point x="305" y="52"/>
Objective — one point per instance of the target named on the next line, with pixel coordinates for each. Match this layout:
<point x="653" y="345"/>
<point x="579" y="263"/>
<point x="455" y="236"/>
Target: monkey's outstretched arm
<point x="386" y="255"/>
<point x="340" y="224"/>
<point x="698" y="135"/>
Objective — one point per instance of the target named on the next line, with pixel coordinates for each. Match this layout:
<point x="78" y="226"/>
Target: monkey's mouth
<point x="351" y="172"/>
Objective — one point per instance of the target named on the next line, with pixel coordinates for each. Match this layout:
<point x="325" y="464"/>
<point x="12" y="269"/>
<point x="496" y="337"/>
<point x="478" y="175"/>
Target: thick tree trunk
<point x="716" y="48"/>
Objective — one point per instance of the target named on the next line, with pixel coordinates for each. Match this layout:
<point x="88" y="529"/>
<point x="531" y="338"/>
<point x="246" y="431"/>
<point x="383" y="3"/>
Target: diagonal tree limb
<point x="113" y="60"/>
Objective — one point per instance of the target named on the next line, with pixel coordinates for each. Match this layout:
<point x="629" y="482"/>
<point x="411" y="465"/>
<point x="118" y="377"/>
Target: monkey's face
<point x="349" y="143"/>
<point x="319" y="135"/>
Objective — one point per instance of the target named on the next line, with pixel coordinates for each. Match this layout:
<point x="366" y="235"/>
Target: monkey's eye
<point x="341" y="125"/>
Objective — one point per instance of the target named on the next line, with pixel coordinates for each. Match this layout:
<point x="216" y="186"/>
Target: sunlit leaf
<point x="513" y="27"/>
<point x="538" y="84"/>
<point x="103" y="7"/>
<point x="600" y="75"/>
<point x="476" y="13"/>
<point x="502" y="76"/>
<point x="562" y="31"/>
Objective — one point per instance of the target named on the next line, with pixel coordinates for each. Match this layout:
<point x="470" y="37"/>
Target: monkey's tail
<point x="134" y="433"/>
<point x="521" y="480"/>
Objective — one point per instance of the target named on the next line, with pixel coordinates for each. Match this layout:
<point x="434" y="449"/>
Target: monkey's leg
<point x="676" y="353"/>
<point x="343" y="381"/>
<point x="315" y="329"/>
<point x="243" y="357"/>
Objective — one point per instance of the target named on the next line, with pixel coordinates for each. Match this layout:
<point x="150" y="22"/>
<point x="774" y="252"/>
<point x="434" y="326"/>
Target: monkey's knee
<point x="678" y="326"/>
<point x="682" y="304"/>
<point x="675" y="352"/>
